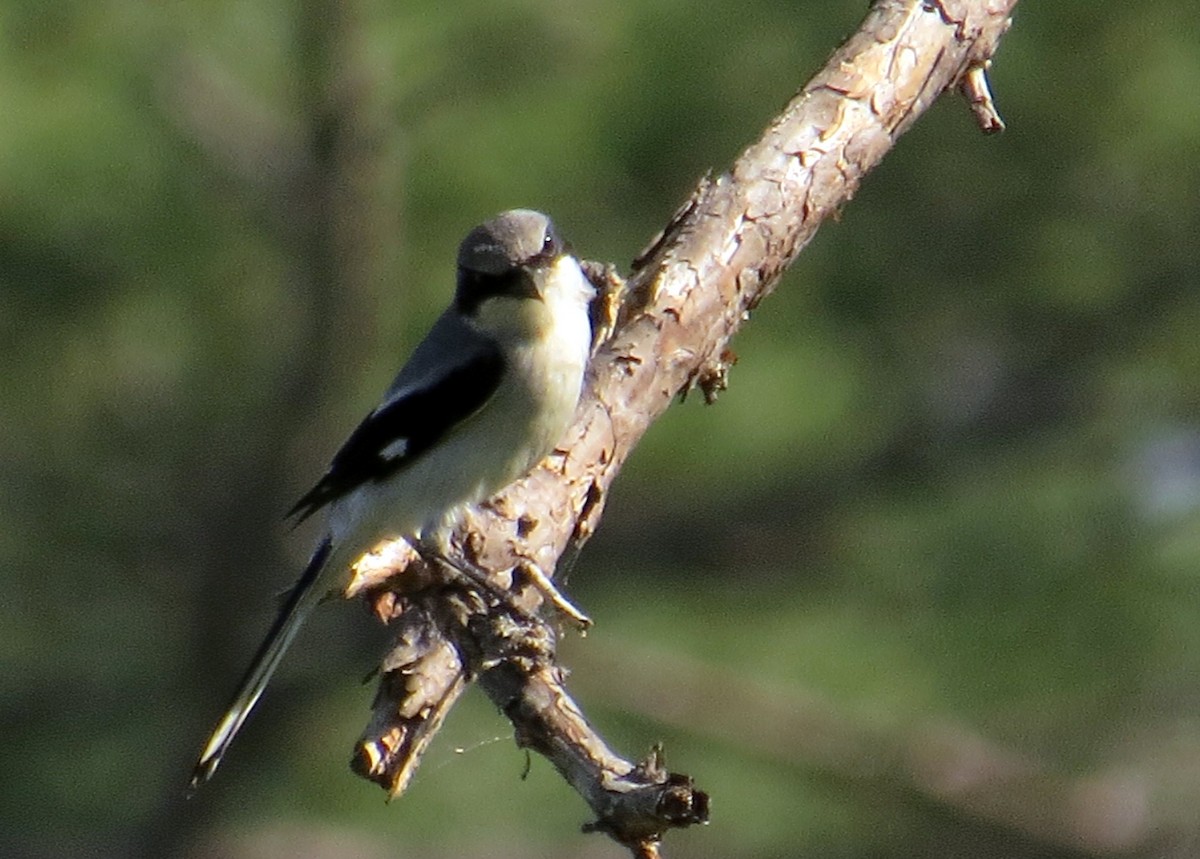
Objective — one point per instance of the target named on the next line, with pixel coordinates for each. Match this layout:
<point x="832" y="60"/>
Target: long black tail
<point x="300" y="601"/>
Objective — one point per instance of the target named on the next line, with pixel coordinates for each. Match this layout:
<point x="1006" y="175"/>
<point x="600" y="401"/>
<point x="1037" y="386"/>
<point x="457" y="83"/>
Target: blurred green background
<point x="924" y="582"/>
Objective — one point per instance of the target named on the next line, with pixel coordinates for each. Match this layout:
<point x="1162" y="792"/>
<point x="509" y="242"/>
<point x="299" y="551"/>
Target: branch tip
<point x="974" y="87"/>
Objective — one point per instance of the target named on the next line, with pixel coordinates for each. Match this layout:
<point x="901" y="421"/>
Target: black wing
<point x="398" y="432"/>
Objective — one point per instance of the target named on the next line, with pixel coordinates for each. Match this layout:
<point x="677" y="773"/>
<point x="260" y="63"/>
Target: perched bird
<point x="487" y="394"/>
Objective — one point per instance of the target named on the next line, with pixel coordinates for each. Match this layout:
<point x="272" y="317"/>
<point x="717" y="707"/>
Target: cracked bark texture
<point x="688" y="294"/>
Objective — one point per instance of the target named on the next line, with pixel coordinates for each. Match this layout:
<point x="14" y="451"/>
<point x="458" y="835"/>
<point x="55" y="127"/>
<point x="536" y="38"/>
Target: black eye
<point x="552" y="245"/>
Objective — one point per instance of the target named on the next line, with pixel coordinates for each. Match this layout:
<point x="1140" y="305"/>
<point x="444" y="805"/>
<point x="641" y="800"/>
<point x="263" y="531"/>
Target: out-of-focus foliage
<point x="955" y="482"/>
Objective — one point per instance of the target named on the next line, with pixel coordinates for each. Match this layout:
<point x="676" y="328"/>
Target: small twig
<point x="974" y="86"/>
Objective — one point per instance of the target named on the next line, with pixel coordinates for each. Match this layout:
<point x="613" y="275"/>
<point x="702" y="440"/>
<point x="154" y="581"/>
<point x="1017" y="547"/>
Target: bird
<point x="483" y="398"/>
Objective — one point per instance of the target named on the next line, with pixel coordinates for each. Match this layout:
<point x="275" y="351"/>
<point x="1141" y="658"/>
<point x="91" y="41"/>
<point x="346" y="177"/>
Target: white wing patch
<point x="395" y="450"/>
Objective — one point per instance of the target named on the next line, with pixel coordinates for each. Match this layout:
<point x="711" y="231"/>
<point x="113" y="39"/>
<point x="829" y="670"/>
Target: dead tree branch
<point x="689" y="293"/>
